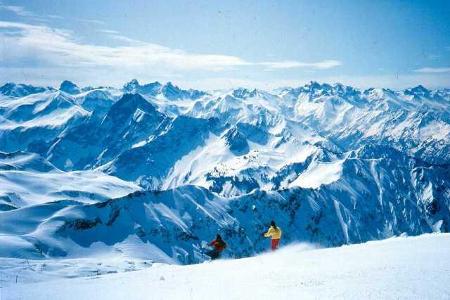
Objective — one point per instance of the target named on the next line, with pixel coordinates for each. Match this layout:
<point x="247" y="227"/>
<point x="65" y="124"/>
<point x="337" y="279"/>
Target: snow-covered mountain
<point x="11" y="89"/>
<point x="167" y="91"/>
<point x="331" y="163"/>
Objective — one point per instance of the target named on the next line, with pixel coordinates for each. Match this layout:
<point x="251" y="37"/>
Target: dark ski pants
<point x="214" y="254"/>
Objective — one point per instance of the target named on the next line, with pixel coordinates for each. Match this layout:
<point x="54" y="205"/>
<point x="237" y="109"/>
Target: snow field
<point x="397" y="268"/>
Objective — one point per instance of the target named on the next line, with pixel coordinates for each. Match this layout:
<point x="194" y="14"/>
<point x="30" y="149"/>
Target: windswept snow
<point x="397" y="268"/>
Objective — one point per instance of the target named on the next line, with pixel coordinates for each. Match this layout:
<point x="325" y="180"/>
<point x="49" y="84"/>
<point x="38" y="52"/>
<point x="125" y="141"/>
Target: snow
<point x="376" y="177"/>
<point x="138" y="115"/>
<point x="55" y="119"/>
<point x="436" y="130"/>
<point x="192" y="167"/>
<point x="397" y="268"/>
<point x="301" y="155"/>
<point x="40" y="110"/>
<point x="319" y="174"/>
<point x="374" y="129"/>
<point x="29" y="187"/>
<point x="344" y="226"/>
<point x="214" y="157"/>
<point x="139" y="144"/>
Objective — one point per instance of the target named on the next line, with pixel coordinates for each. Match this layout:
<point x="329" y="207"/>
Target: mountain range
<point x="162" y="169"/>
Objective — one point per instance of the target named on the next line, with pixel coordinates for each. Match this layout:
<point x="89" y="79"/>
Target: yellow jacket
<point x="275" y="234"/>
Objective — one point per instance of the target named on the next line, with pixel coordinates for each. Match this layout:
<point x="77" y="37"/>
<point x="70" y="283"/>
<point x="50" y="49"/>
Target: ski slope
<point x="397" y="268"/>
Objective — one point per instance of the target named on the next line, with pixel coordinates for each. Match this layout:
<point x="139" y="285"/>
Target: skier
<point x="218" y="246"/>
<point x="274" y="232"/>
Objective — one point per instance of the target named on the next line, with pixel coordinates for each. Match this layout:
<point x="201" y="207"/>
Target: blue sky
<point x="215" y="44"/>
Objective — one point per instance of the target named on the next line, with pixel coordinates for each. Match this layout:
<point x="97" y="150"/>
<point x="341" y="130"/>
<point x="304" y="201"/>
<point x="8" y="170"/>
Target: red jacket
<point x="218" y="245"/>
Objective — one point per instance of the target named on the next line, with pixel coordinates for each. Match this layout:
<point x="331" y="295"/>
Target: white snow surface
<point x="318" y="174"/>
<point x="49" y="110"/>
<point x="397" y="268"/>
<point x="436" y="130"/>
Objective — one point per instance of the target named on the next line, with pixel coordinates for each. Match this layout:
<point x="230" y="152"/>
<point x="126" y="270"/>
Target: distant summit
<point x="69" y="87"/>
<point x="243" y="93"/>
<point x="20" y="90"/>
<point x="168" y="90"/>
<point x="150" y="89"/>
<point x="418" y="91"/>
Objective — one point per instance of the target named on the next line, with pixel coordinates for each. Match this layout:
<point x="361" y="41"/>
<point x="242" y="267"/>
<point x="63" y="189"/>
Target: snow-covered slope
<point x="28" y="179"/>
<point x="22" y="188"/>
<point x="400" y="268"/>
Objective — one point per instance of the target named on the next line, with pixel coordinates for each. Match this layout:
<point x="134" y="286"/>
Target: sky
<point x="222" y="44"/>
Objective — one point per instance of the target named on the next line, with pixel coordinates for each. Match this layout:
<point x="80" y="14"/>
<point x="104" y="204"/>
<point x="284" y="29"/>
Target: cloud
<point x="108" y="31"/>
<point x="432" y="70"/>
<point x="18" y="10"/>
<point x="52" y="47"/>
<point x="23" y="12"/>
<point x="92" y="21"/>
<point x="57" y="17"/>
<point x="289" y="64"/>
<point x="58" y="47"/>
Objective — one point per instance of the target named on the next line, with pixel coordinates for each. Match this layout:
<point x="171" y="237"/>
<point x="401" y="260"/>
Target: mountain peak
<point x="419" y="90"/>
<point x="314" y="85"/>
<point x="127" y="106"/>
<point x="20" y="90"/>
<point x="173" y="92"/>
<point x="168" y="90"/>
<point x="133" y="84"/>
<point x="316" y="89"/>
<point x="69" y="87"/>
<point x="150" y="89"/>
<point x="244" y="93"/>
<point x="169" y="84"/>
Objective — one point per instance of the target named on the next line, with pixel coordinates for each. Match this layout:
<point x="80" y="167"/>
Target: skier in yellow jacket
<point x="274" y="232"/>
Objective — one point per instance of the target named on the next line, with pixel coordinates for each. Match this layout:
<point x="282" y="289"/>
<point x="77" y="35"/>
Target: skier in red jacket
<point x="218" y="246"/>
